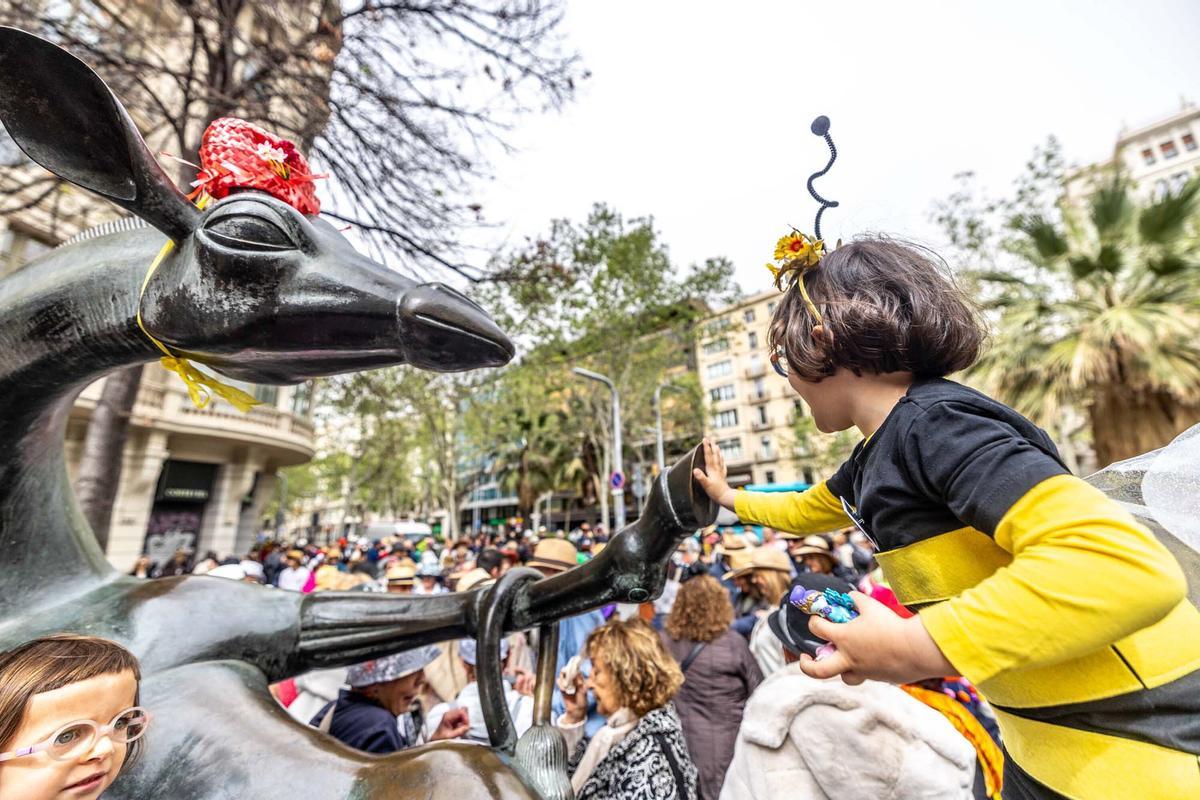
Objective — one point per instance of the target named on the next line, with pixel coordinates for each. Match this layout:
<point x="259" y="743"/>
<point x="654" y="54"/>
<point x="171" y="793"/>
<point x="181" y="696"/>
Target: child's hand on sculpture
<point x="712" y="477"/>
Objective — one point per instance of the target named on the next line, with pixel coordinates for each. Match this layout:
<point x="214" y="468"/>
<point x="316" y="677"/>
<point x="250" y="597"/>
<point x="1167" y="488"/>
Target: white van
<point x="413" y="531"/>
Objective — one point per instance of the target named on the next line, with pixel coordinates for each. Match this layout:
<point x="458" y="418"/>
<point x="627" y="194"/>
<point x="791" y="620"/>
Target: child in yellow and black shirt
<point x="1070" y="617"/>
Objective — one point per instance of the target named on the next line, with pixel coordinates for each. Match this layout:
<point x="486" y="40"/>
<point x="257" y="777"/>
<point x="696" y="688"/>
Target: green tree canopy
<point x="1095" y="303"/>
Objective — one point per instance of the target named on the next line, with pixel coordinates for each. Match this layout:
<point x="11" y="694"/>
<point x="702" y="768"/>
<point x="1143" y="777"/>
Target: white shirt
<point x="315" y="689"/>
<point x="293" y="579"/>
<point x="520" y="706"/>
<point x="767" y="649"/>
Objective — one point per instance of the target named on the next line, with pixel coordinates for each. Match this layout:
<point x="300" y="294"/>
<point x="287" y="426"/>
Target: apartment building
<point x="1158" y="158"/>
<point x="753" y="410"/>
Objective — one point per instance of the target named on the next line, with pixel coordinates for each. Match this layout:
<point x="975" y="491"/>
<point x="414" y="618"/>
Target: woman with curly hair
<point x="640" y="754"/>
<point x="720" y="674"/>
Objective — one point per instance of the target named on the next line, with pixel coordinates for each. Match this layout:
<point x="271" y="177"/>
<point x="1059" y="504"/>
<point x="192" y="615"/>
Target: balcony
<point x="767" y="456"/>
<point x="755" y="371"/>
<point x="163" y="404"/>
<point x="760" y="424"/>
<point x="738" y="459"/>
<point x="760" y="397"/>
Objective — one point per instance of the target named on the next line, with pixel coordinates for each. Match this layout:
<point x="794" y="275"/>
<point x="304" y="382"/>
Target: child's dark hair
<point x="52" y="662"/>
<point x="886" y="306"/>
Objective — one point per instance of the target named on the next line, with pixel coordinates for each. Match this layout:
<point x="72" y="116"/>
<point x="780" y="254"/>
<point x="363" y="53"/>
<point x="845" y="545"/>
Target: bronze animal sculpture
<point x="258" y="292"/>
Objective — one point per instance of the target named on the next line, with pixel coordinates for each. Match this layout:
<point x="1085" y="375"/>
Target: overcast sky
<point x="698" y="113"/>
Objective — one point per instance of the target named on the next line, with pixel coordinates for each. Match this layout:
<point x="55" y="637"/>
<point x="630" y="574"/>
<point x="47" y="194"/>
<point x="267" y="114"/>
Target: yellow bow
<point x="201" y="387"/>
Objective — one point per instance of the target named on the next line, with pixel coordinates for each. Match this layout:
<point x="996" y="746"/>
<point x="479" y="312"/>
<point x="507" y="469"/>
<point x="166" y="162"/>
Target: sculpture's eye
<point x="246" y="232"/>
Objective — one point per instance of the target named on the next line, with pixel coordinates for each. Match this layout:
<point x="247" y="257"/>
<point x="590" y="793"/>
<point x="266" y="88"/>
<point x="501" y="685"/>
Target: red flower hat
<point x="237" y="154"/>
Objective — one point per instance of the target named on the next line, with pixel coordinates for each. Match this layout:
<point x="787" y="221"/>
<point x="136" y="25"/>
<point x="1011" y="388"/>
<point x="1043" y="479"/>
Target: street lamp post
<point x="618" y="494"/>
<point x="658" y="434"/>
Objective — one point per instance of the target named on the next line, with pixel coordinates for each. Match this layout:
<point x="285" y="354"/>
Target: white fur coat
<point x="807" y="739"/>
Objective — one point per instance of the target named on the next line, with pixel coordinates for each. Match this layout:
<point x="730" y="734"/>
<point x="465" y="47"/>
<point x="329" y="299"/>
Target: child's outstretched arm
<point x="812" y="511"/>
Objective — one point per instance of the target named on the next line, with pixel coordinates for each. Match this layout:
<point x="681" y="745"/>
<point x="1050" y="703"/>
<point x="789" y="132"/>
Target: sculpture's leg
<point x="541" y="756"/>
<point x="501" y="731"/>
<point x="632" y="568"/>
<point x="338" y="628"/>
<point x="341" y="628"/>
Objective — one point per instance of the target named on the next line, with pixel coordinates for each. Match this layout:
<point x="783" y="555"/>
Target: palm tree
<point x="534" y="460"/>
<point x="1105" y="317"/>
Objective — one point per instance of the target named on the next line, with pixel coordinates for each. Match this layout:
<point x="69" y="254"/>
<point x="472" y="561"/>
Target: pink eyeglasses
<point x="76" y="738"/>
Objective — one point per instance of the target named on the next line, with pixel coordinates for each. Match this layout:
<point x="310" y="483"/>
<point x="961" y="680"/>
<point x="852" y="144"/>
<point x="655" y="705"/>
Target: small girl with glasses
<point x="69" y="717"/>
<point x="1070" y="617"/>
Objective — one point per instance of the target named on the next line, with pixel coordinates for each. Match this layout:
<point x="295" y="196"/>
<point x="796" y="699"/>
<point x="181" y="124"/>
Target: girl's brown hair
<point x="52" y="662"/>
<point x="645" y="675"/>
<point x="886" y="306"/>
<point x="702" y="610"/>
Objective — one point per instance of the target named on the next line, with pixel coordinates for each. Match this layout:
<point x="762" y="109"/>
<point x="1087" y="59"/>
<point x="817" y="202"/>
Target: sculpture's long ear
<point x="66" y="118"/>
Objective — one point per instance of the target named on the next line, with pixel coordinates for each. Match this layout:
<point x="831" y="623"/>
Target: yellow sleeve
<point x="1084" y="574"/>
<point x="812" y="511"/>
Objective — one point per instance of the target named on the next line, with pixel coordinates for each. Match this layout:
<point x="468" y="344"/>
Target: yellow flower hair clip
<point x="798" y="247"/>
<point x="796" y="254"/>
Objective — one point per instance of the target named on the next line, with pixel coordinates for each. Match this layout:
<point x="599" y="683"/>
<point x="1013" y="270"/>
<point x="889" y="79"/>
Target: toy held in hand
<point x="831" y="604"/>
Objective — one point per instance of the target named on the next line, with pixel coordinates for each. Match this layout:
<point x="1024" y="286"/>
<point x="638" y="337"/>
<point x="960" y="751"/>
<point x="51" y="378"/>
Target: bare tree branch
<point x="401" y="102"/>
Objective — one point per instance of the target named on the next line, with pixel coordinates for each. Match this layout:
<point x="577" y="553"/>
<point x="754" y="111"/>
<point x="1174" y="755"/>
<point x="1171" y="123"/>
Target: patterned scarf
<point x="618" y="727"/>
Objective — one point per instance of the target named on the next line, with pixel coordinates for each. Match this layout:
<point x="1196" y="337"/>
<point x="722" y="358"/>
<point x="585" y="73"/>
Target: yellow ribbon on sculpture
<point x="200" y="387"/>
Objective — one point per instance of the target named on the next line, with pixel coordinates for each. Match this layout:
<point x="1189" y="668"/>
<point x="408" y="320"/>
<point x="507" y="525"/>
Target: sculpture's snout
<point x="443" y="330"/>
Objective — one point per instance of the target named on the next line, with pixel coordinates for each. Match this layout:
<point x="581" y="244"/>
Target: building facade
<point x="753" y="410"/>
<point x="196" y="479"/>
<point x="1158" y="158"/>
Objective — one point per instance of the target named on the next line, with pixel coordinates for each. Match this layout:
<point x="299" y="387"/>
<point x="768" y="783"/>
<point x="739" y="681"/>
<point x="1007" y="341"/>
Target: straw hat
<point x="296" y="554"/>
<point x="401" y="574"/>
<point x="763" y="558"/>
<point x="326" y="577"/>
<point x="815" y="546"/>
<point x="554" y="554"/>
<point x="737" y="560"/>
<point x="731" y="542"/>
<point x="473" y="578"/>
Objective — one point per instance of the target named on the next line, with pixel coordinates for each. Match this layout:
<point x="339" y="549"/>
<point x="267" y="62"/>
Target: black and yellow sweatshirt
<point x="1069" y="616"/>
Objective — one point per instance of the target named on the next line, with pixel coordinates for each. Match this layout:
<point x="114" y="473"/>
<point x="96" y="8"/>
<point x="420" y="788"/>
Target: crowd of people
<point x="696" y="695"/>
